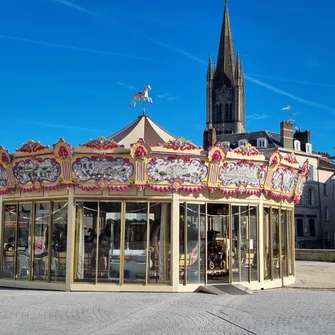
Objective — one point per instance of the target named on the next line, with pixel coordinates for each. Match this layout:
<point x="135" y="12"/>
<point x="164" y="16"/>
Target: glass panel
<point x="236" y="256"/>
<point x="109" y="242"/>
<point x="86" y="241"/>
<point x="23" y="245"/>
<point x="218" y="243"/>
<point x="195" y="231"/>
<point x="9" y="237"/>
<point x="275" y="231"/>
<point x="283" y="242"/>
<point x="289" y="243"/>
<point x="266" y="239"/>
<point x="135" y="242"/>
<point x="182" y="251"/>
<point x="159" y="251"/>
<point x="253" y="246"/>
<point x="41" y="232"/>
<point x="244" y="243"/>
<point x="59" y="241"/>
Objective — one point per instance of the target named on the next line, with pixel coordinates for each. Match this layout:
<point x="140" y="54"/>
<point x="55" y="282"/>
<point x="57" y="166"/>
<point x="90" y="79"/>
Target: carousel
<point x="143" y="210"/>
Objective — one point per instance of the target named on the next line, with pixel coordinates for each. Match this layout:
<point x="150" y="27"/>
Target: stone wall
<point x="322" y="255"/>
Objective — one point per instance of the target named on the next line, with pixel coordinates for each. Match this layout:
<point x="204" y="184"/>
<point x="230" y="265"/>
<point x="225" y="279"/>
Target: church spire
<point x="210" y="68"/>
<point x="225" y="60"/>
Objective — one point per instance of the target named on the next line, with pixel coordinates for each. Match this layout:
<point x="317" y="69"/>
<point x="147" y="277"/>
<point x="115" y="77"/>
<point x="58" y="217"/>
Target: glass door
<point x="135" y="242"/>
<point x="218" y="243"/>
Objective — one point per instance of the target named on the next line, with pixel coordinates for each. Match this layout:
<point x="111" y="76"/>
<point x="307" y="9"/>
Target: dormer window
<point x="242" y="143"/>
<point x="225" y="145"/>
<point x="297" y="145"/>
<point x="308" y="148"/>
<point x="262" y="143"/>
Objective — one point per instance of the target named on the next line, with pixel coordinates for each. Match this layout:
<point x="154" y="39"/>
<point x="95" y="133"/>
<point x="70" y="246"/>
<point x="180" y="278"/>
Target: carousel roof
<point x="143" y="128"/>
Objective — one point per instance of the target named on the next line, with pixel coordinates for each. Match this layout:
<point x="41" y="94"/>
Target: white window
<point x="225" y="145"/>
<point x="262" y="142"/>
<point x="308" y="148"/>
<point x="311" y="172"/>
<point x="242" y="143"/>
<point x="326" y="213"/>
<point x="297" y="145"/>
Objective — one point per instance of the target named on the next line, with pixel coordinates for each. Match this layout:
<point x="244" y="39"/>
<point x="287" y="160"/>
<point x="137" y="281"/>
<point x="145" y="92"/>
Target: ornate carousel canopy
<point x="121" y="162"/>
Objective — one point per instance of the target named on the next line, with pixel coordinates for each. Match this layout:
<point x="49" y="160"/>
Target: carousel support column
<point x="175" y="242"/>
<point x="71" y="222"/>
<point x="1" y="232"/>
<point x="261" y="239"/>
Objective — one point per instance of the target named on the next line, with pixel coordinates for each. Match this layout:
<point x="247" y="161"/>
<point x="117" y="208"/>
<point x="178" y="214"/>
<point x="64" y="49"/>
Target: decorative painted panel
<point x="240" y="173"/>
<point x="189" y="168"/>
<point x="108" y="168"/>
<point x="284" y="180"/>
<point x="193" y="171"/>
<point x="30" y="170"/>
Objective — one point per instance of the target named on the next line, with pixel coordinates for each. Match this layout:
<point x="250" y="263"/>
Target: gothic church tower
<point x="225" y="88"/>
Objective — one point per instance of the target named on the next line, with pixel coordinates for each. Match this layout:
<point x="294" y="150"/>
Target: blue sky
<point x="70" y="68"/>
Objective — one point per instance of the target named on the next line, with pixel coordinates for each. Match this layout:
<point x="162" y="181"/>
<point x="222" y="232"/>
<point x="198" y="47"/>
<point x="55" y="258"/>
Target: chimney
<point x="303" y="137"/>
<point x="286" y="136"/>
<point x="209" y="137"/>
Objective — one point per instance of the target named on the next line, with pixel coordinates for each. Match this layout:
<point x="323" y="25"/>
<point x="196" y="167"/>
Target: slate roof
<point x="251" y="137"/>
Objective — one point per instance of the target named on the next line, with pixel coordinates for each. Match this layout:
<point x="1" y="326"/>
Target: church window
<point x="221" y="113"/>
<point x="218" y="112"/>
<point x="228" y="112"/>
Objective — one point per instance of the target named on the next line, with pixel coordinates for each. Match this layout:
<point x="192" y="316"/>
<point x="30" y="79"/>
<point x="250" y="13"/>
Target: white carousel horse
<point x="141" y="96"/>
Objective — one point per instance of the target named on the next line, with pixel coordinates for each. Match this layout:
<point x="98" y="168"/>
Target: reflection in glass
<point x="195" y="254"/>
<point x="218" y="243"/>
<point x="253" y="245"/>
<point x="182" y="251"/>
<point x="289" y="243"/>
<point x="9" y="237"/>
<point x="275" y="232"/>
<point x="266" y="243"/>
<point x="109" y="242"/>
<point x="283" y="222"/>
<point x="159" y="247"/>
<point x="86" y="241"/>
<point x="59" y="241"/>
<point x="41" y="239"/>
<point x="236" y="239"/>
<point x="23" y="245"/>
<point x="244" y="243"/>
<point x="135" y="242"/>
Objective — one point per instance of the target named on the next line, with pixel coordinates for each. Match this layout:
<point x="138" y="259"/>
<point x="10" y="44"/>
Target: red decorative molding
<point x="101" y="143"/>
<point x="32" y="147"/>
<point x="180" y="144"/>
<point x="247" y="151"/>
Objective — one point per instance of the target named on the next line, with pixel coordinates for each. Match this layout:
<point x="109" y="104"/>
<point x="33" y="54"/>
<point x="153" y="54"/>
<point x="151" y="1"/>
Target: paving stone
<point x="281" y="311"/>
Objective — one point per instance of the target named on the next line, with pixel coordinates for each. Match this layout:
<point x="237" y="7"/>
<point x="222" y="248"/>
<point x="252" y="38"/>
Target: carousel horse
<point x="141" y="96"/>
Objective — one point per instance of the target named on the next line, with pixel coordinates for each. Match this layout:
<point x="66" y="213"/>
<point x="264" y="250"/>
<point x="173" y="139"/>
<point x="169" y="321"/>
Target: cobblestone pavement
<point x="315" y="275"/>
<point x="281" y="311"/>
